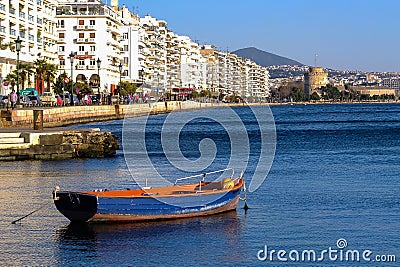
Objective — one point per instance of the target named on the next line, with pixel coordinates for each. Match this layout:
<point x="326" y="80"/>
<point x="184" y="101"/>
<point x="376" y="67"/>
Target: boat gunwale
<point x="149" y="192"/>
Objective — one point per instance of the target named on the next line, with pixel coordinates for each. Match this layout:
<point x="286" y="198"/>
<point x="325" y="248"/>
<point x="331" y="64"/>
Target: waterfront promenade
<point x="62" y="116"/>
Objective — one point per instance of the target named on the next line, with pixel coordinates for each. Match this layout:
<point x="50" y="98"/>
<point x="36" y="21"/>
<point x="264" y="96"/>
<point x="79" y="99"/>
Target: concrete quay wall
<point x="57" y="145"/>
<point x="61" y="116"/>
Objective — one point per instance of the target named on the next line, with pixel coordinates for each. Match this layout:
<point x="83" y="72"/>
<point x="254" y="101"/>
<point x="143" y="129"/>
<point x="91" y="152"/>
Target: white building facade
<point x="35" y="24"/>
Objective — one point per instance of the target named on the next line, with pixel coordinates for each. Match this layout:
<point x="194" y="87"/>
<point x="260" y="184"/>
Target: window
<point x="126" y="48"/>
<point x="61" y="23"/>
<point x="61" y="35"/>
<point x="92" y="35"/>
<point x="125" y="36"/>
<point x="126" y="60"/>
<point x="92" y="22"/>
<point x="81" y="22"/>
<point x="62" y="62"/>
<point x="61" y="49"/>
<point x="81" y="62"/>
<point x="92" y="62"/>
<point x="92" y="48"/>
<point x="81" y="48"/>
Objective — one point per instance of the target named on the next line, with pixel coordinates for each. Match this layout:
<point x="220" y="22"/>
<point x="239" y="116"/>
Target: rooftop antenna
<point x="315" y="60"/>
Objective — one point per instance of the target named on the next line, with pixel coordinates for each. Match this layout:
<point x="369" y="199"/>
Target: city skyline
<point x="346" y="35"/>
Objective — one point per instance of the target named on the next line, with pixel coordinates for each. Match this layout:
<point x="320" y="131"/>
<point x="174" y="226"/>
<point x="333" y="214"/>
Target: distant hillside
<point x="264" y="58"/>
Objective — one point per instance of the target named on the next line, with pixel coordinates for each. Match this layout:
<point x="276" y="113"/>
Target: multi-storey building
<point x="92" y="30"/>
<point x="393" y="83"/>
<point x="34" y="23"/>
<point x="173" y="61"/>
<point x="210" y="54"/>
<point x="141" y="51"/>
<point x="154" y="53"/>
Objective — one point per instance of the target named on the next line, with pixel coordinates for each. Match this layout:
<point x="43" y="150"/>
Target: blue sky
<point x="346" y="34"/>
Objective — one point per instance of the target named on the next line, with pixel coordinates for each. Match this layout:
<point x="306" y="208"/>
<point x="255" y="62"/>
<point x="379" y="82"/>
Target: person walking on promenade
<point x="13" y="99"/>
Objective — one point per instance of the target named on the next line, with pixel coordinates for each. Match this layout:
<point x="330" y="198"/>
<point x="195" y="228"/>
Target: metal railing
<point x="203" y="175"/>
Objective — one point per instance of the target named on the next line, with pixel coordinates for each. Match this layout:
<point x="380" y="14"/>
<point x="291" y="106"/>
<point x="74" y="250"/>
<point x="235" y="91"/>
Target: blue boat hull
<point x="84" y="207"/>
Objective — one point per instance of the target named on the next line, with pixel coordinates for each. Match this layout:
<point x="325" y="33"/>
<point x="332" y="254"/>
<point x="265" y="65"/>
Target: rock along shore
<point x="56" y="145"/>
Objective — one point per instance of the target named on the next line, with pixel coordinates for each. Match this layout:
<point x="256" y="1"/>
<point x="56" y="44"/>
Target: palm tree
<point x="25" y="71"/>
<point x="45" y="72"/>
<point x="11" y="78"/>
<point x="40" y="72"/>
<point x="51" y="70"/>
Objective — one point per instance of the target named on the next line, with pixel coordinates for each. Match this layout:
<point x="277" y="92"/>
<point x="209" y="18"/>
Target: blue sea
<point x="331" y="196"/>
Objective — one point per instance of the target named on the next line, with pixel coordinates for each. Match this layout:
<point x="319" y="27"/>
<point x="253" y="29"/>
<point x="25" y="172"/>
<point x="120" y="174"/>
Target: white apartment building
<point x="33" y="21"/>
<point x="154" y="54"/>
<point x="92" y="30"/>
<point x="150" y="55"/>
<point x="193" y="64"/>
<point x="173" y="61"/>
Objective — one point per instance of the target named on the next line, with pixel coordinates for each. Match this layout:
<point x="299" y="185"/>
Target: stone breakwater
<point x="57" y="145"/>
<point x="61" y="116"/>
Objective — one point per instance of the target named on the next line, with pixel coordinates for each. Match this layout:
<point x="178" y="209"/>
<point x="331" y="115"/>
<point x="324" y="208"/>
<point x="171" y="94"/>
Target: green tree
<point x="205" y="93"/>
<point x="315" y="96"/>
<point x="50" y="74"/>
<point x="194" y="94"/>
<point x="40" y="66"/>
<point x="127" y="88"/>
<point x="25" y="72"/>
<point x="297" y="95"/>
<point x="331" y="93"/>
<point x="81" y="88"/>
<point x="59" y="86"/>
<point x="11" y="78"/>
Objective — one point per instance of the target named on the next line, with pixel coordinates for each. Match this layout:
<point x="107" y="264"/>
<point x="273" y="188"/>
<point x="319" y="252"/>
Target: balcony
<point x="91" y="67"/>
<point x="80" y="67"/>
<point x="79" y="40"/>
<point x="91" y="27"/>
<point x="80" y="27"/>
<point x="80" y="53"/>
<point x="61" y="40"/>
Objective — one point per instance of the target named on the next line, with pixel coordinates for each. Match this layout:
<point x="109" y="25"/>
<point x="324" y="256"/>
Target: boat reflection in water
<point x="190" y="237"/>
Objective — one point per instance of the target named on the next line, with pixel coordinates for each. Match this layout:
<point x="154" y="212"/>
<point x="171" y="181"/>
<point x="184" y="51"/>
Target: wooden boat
<point x="162" y="203"/>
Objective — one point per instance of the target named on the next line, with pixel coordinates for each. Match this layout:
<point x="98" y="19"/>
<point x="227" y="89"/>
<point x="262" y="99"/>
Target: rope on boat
<point x="23" y="217"/>
<point x="246" y="207"/>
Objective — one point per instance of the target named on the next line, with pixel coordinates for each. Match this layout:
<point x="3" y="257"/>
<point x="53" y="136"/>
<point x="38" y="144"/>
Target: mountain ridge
<point x="264" y="58"/>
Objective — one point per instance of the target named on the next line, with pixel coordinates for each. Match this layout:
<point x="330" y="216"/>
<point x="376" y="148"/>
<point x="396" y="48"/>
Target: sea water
<point x="331" y="194"/>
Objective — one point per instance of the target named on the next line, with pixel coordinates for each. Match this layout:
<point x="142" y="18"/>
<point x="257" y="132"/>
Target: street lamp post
<point x="120" y="76"/>
<point x="71" y="58"/>
<point x="98" y="61"/>
<point x="18" y="49"/>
